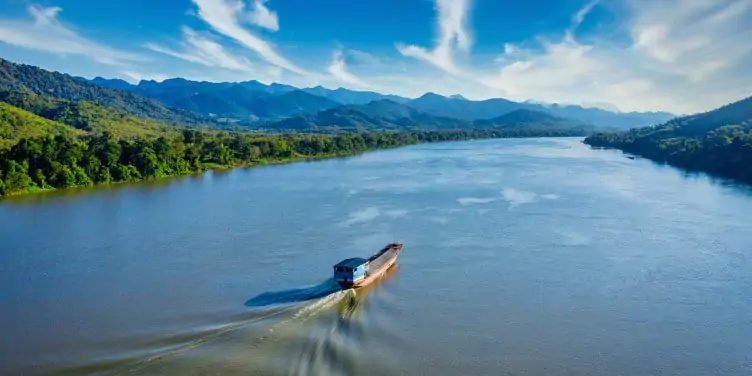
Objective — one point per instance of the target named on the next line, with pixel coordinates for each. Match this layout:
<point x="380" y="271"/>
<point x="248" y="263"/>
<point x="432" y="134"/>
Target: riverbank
<point x="61" y="162"/>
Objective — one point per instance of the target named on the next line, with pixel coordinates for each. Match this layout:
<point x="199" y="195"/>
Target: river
<point x="522" y="257"/>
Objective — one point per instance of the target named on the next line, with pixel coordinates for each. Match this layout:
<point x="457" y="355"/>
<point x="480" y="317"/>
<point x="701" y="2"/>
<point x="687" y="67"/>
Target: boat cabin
<point x="350" y="270"/>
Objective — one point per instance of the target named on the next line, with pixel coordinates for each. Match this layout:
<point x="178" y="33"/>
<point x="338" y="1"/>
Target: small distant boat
<point x="630" y="157"/>
<point x="357" y="272"/>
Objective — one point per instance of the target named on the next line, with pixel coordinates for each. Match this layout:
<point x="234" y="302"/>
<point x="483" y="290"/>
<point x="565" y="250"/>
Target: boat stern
<point x="348" y="273"/>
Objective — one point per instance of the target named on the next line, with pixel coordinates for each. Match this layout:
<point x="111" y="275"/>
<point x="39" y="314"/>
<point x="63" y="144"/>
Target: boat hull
<point x="372" y="275"/>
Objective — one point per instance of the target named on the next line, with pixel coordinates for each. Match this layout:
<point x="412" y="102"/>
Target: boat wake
<point x="294" y="295"/>
<point x="275" y="317"/>
<point x="318" y="329"/>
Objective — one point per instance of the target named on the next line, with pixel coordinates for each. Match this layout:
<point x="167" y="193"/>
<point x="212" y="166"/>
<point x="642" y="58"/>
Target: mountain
<point x="26" y="77"/>
<point x="346" y="96"/>
<point x="718" y="142"/>
<point x="293" y="103"/>
<point x="473" y="110"/>
<point x="436" y="104"/>
<point x="247" y="100"/>
<point x="523" y="117"/>
<point x="186" y="102"/>
<point x="112" y="83"/>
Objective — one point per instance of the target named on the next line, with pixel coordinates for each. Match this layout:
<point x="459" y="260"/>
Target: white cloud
<point x="452" y="20"/>
<point x="684" y="56"/>
<point x="202" y="50"/>
<point x="44" y="32"/>
<point x="263" y="17"/>
<point x="338" y="70"/>
<point x="223" y="16"/>
<point x="677" y="55"/>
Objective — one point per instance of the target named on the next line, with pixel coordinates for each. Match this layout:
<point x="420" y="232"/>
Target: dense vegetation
<point x="20" y="77"/>
<point x="85" y="116"/>
<point x="718" y="142"/>
<point x="16" y="124"/>
<point x="62" y="161"/>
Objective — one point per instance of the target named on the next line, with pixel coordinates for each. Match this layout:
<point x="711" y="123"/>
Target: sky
<point x="682" y="56"/>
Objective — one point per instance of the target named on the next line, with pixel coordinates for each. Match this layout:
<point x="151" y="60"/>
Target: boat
<point x="357" y="272"/>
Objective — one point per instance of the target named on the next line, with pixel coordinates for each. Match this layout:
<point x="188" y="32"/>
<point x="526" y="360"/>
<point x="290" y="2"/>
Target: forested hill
<point x="718" y="142"/>
<point x="16" y="124"/>
<point x="26" y="77"/>
<point x="81" y="117"/>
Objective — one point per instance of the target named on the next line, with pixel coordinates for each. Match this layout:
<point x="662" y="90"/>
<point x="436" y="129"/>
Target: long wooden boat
<point x="357" y="272"/>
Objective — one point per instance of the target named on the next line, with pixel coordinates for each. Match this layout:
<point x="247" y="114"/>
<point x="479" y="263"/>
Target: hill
<point x="718" y="142"/>
<point x="16" y="124"/>
<point x="84" y="116"/>
<point x="58" y="85"/>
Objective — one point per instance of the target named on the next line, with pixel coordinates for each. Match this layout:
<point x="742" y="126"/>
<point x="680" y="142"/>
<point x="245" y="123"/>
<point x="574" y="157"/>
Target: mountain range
<point x="256" y="105"/>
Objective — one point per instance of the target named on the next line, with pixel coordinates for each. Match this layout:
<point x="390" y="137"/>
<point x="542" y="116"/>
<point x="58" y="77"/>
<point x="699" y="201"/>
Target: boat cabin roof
<point x="352" y="262"/>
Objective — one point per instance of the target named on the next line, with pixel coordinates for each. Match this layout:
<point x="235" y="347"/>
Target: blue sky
<point x="677" y="55"/>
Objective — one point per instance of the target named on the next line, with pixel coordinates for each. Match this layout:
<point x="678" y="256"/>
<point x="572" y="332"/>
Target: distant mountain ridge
<point x="490" y="108"/>
<point x="455" y="106"/>
<point x="252" y="103"/>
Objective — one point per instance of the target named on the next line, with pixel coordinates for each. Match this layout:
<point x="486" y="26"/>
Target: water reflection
<point x="353" y="303"/>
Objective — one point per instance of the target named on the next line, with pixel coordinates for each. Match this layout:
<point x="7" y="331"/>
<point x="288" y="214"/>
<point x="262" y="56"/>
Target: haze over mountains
<point x="255" y="105"/>
<point x="252" y="100"/>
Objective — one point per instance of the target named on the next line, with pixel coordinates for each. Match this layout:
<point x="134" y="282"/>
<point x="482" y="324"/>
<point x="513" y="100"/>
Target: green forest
<point x="718" y="142"/>
<point x="64" y="161"/>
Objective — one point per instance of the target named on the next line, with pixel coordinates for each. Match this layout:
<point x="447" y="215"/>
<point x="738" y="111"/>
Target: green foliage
<point x="83" y="115"/>
<point x="718" y="142"/>
<point x="62" y="161"/>
<point x="16" y="124"/>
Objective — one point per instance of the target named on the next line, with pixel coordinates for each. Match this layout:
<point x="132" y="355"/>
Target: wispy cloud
<point x="263" y="17"/>
<point x="338" y="70"/>
<point x="578" y="18"/>
<point x="223" y="16"/>
<point x="201" y="49"/>
<point x="44" y="32"/>
<point x="452" y="19"/>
